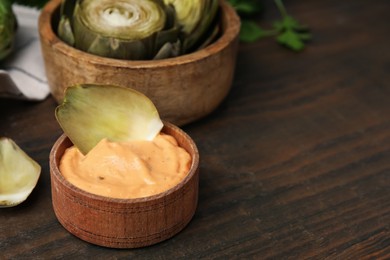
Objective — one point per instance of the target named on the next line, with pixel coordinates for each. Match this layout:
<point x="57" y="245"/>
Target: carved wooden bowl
<point x="125" y="223"/>
<point x="183" y="89"/>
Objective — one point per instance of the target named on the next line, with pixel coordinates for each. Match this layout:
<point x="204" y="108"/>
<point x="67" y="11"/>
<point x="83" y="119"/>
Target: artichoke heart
<point x="8" y="26"/>
<point x="134" y="29"/>
<point x="18" y="174"/>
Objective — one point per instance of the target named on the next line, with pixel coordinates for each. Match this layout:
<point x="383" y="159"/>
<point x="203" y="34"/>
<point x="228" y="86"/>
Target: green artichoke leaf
<point x="8" y="26"/>
<point x="211" y="35"/>
<point x="195" y="17"/>
<point x="168" y="44"/>
<point x="202" y="31"/>
<point x="188" y="13"/>
<point x="168" y="50"/>
<point x="66" y="31"/>
<point x="67" y="8"/>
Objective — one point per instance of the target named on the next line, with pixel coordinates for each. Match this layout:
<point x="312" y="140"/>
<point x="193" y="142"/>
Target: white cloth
<point x="22" y="74"/>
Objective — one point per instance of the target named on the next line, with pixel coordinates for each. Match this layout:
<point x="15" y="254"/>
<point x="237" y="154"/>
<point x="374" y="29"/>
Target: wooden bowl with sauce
<point x="184" y="88"/>
<point x="125" y="223"/>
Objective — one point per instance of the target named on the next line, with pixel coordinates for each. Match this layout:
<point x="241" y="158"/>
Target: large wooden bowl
<point x="125" y="223"/>
<point x="183" y="89"/>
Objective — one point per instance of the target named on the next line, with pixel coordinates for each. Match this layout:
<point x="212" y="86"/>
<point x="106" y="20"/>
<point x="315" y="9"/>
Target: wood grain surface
<point x="294" y="164"/>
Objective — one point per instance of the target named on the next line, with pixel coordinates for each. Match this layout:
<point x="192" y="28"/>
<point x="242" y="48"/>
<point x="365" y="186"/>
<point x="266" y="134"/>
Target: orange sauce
<point x="126" y="170"/>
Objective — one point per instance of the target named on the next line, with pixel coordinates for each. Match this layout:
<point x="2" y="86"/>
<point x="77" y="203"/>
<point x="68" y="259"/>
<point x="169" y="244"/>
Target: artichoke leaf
<point x="211" y="36"/>
<point x="91" y="112"/>
<point x="188" y="13"/>
<point x="19" y="173"/>
<point x="8" y="26"/>
<point x="67" y="8"/>
<point x="209" y="16"/>
<point x="168" y="44"/>
<point x="65" y="30"/>
<point x="167" y="36"/>
<point x="195" y="17"/>
<point x="168" y="50"/>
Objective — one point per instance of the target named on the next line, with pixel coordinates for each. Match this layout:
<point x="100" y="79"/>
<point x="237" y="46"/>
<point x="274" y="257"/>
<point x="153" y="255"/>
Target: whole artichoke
<point x="138" y="30"/>
<point x="8" y="25"/>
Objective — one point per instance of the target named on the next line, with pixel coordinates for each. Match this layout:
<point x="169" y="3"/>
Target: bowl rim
<point x="194" y="168"/>
<point x="230" y="21"/>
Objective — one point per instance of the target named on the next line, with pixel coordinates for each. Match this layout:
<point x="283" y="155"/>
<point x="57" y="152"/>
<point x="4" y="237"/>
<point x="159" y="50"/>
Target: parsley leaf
<point x="250" y="31"/>
<point x="291" y="33"/>
<point x="287" y="31"/>
<point x="246" y="7"/>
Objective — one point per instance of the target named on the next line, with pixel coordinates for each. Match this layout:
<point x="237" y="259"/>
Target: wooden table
<point x="294" y="164"/>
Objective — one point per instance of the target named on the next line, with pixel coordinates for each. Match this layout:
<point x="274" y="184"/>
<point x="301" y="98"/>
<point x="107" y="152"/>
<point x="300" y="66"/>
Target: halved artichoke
<point x="19" y="174"/>
<point x="8" y="25"/>
<point x="136" y="30"/>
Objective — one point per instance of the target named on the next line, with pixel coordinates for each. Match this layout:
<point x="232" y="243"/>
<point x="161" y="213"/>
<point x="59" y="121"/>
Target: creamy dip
<point x="131" y="169"/>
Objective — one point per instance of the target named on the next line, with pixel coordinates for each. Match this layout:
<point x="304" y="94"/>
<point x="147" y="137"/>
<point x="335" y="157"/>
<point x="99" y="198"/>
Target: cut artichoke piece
<point x="90" y="113"/>
<point x="19" y="174"/>
<point x="8" y="26"/>
<point x="122" y="29"/>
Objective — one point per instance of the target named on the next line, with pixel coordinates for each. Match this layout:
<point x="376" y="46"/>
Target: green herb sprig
<point x="287" y="30"/>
